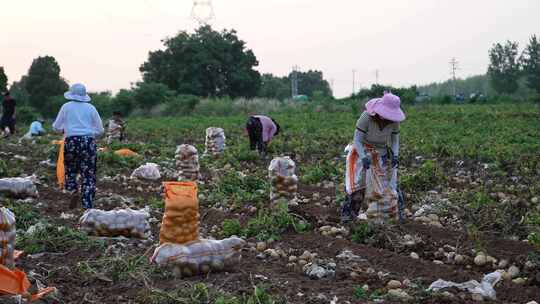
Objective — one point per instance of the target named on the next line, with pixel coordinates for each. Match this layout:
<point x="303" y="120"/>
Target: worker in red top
<point x="261" y="129"/>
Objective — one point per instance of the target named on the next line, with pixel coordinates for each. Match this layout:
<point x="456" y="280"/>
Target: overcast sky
<point x="103" y="42"/>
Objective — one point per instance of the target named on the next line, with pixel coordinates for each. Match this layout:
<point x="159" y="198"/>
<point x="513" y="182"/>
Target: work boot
<point x="75" y="200"/>
<point x="347" y="213"/>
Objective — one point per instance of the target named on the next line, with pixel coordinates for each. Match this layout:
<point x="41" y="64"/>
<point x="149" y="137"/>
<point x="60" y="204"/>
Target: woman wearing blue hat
<point x="81" y="124"/>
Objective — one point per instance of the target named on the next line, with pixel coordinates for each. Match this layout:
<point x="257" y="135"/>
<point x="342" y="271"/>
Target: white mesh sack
<point x="7" y="237"/>
<point x="18" y="187"/>
<point x="215" y="140"/>
<point x="284" y="181"/>
<point x="187" y="162"/>
<point x="148" y="171"/>
<point x="118" y="222"/>
<point x="201" y="256"/>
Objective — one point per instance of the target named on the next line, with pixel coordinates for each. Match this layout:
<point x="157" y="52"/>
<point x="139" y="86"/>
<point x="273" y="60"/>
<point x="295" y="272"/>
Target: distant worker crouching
<point x="261" y="129"/>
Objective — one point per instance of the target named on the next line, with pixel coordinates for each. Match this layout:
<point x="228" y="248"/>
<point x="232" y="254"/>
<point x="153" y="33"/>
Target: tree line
<point x="203" y="64"/>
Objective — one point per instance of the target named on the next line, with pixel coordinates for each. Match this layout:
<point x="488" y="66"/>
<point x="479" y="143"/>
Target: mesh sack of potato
<point x="200" y="257"/>
<point x="282" y="178"/>
<point x="215" y="141"/>
<point x="148" y="171"/>
<point x="18" y="187"/>
<point x="118" y="222"/>
<point x="180" y="222"/>
<point x="187" y="162"/>
<point x="381" y="194"/>
<point x="7" y="237"/>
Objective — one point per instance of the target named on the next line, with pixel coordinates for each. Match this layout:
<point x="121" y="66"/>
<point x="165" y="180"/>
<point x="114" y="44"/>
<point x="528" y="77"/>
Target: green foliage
<point x="124" y="102"/>
<point x="361" y="232"/>
<point x="205" y="63"/>
<point x="50" y="238"/>
<point x="3" y="80"/>
<point x="26" y="214"/>
<point x="428" y="176"/>
<point x="359" y="293"/>
<point x="504" y="67"/>
<point x="182" y="105"/>
<point x="270" y="224"/>
<point x="200" y="293"/>
<point x="275" y="87"/>
<point x="3" y="169"/>
<point x="26" y="114"/>
<point x="312" y="83"/>
<point x="319" y="173"/>
<point x="531" y="64"/>
<point x="148" y="95"/>
<point x="481" y="200"/>
<point x="117" y="268"/>
<point x="44" y="81"/>
<point x="467" y="86"/>
<point x="407" y="95"/>
<point x="231" y="227"/>
<point x="103" y="103"/>
<point x="534" y="239"/>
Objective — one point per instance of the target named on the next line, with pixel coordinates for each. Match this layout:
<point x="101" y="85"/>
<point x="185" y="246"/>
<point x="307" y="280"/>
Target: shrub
<point x="231" y="227"/>
<point x="26" y="114"/>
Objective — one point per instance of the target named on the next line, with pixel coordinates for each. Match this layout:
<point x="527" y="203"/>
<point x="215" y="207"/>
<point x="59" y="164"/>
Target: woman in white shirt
<point x="81" y="124"/>
<point x="376" y="140"/>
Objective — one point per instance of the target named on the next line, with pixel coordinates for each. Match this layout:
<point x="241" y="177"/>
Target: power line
<point x="454" y="66"/>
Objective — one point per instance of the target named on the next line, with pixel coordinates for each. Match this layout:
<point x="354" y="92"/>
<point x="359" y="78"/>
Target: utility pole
<point x="332" y="85"/>
<point x="294" y="81"/>
<point x="376" y="76"/>
<point x="353" y="82"/>
<point x="454" y="65"/>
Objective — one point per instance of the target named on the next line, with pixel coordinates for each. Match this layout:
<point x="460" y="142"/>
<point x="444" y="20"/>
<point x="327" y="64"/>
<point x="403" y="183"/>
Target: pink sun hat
<point x="388" y="107"/>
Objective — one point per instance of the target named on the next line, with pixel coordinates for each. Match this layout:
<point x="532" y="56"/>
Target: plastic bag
<point x="119" y="222"/>
<point x="187" y="162"/>
<point x="180" y="222"/>
<point x="284" y="181"/>
<point x="19" y="187"/>
<point x="60" y="170"/>
<point x="200" y="257"/>
<point x="149" y="171"/>
<point x="7" y="238"/>
<point x="215" y="141"/>
<point x="484" y="288"/>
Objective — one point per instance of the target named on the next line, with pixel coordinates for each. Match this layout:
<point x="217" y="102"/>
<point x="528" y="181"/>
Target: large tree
<point x="504" y="68"/>
<point x="205" y="63"/>
<point x="275" y="87"/>
<point x="531" y="63"/>
<point x="311" y="82"/>
<point x="44" y="81"/>
<point x="3" y="80"/>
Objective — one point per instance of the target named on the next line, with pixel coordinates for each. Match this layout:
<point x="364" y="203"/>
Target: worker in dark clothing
<point x="7" y="122"/>
<point x="261" y="129"/>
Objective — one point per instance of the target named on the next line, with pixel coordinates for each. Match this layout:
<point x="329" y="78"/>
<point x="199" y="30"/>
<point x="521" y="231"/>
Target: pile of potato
<point x="215" y="141"/>
<point x="284" y="181"/>
<point x="18" y="187"/>
<point x="187" y="162"/>
<point x="7" y="237"/>
<point x="180" y="222"/>
<point x="200" y="257"/>
<point x="118" y="222"/>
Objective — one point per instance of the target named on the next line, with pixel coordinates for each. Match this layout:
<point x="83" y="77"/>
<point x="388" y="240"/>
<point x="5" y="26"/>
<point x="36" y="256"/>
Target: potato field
<point x="470" y="174"/>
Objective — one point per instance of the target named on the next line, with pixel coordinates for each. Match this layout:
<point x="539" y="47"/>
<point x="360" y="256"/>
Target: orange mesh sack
<point x="180" y="222"/>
